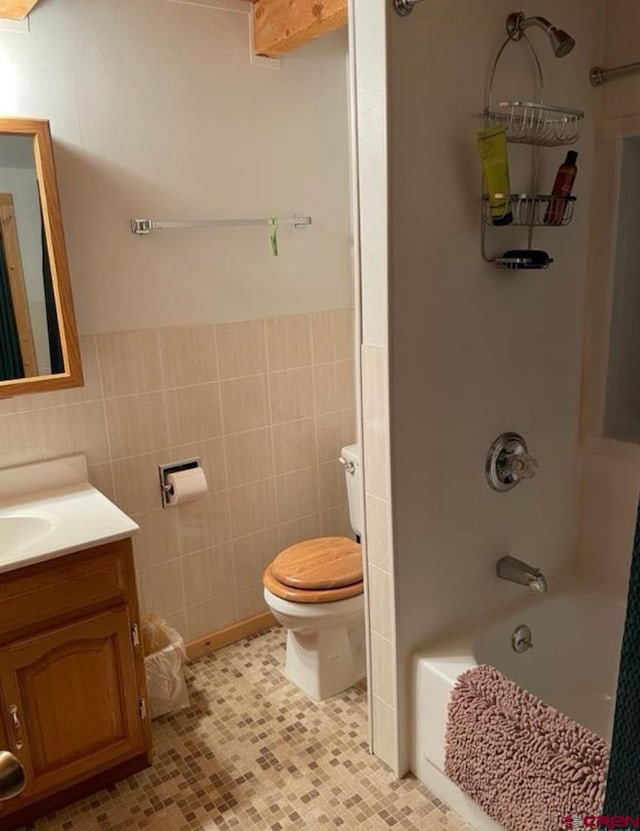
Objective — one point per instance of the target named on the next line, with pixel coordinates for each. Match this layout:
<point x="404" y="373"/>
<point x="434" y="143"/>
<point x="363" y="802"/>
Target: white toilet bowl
<point x="325" y="643"/>
<point x="315" y="590"/>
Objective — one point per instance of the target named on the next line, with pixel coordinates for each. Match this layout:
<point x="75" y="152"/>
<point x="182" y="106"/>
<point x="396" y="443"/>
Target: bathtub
<point x="573" y="667"/>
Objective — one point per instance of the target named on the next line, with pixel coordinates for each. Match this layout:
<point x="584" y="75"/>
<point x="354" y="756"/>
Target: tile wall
<point x="379" y="549"/>
<point x="267" y="404"/>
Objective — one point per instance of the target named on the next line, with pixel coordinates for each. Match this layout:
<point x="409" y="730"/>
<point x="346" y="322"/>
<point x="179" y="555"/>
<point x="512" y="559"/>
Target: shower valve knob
<point x="509" y="462"/>
<point x="521" y="465"/>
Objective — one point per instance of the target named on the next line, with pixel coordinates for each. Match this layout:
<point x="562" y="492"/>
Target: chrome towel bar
<point x="145" y="226"/>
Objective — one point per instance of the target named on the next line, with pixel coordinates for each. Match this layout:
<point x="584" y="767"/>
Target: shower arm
<point x="517" y="23"/>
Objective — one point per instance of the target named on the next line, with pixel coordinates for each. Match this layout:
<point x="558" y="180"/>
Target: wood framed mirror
<point x="39" y="348"/>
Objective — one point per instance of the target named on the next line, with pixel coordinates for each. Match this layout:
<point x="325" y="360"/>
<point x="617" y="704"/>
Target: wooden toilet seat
<point x="319" y="570"/>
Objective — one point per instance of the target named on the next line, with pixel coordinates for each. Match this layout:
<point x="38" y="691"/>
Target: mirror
<point x="38" y="337"/>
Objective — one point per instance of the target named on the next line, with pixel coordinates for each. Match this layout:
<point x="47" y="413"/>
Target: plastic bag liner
<point x="165" y="657"/>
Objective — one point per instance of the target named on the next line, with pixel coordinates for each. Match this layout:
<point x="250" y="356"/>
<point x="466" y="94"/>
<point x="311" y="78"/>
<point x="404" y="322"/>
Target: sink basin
<point x="49" y="509"/>
<point x="19" y="531"/>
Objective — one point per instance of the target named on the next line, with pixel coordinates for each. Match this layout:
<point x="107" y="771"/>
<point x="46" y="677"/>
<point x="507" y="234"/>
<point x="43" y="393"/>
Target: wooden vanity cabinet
<point x="72" y="686"/>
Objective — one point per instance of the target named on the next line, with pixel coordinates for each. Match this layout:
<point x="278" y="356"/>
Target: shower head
<point x="561" y="42"/>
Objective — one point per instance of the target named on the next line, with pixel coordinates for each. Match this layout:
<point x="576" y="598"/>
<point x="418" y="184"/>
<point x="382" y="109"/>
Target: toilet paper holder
<point x="166" y="490"/>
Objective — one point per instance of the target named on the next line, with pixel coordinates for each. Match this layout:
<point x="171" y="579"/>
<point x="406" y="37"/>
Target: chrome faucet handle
<point x="509" y="462"/>
<point x="521" y="465"/>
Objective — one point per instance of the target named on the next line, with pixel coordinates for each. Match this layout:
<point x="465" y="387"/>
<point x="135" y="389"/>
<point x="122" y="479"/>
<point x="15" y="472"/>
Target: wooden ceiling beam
<point x="16" y="9"/>
<point x="282" y="25"/>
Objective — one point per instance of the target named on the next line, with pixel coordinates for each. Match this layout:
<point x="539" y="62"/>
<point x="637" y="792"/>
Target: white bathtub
<point x="573" y="667"/>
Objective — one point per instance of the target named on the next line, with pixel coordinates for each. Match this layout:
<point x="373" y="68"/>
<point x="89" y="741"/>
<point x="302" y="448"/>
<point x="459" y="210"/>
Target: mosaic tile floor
<point x="254" y="754"/>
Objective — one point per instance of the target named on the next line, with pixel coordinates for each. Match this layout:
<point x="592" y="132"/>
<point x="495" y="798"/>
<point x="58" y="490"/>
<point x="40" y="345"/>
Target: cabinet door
<point x="71" y="699"/>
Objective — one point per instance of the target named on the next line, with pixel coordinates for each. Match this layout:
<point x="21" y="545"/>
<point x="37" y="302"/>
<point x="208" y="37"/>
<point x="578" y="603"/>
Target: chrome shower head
<point x="561" y="42"/>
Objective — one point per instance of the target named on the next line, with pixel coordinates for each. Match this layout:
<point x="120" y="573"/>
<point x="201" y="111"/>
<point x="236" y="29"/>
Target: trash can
<point x="165" y="657"/>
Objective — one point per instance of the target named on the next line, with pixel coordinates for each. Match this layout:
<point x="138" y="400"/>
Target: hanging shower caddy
<point x="536" y="125"/>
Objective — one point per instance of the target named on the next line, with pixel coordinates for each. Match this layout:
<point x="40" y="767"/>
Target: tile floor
<point x="253" y="752"/>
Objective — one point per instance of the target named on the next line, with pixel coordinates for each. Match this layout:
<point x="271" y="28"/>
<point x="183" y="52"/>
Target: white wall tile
<point x="249" y="457"/>
<point x="379" y="543"/>
<point x="137" y="424"/>
<point x="204" y="522"/>
<point x="376" y="464"/>
<point x="74" y="429"/>
<point x="305" y="528"/>
<point x="334" y="386"/>
<point x="250" y="600"/>
<point x="129" y="362"/>
<point x="194" y="413"/>
<point x="335" y="522"/>
<point x="291" y="395"/>
<point x="288" y="342"/>
<point x="252" y="507"/>
<point x="252" y="554"/>
<point x="383" y="669"/>
<point x="332" y="487"/>
<point x="333" y="336"/>
<point x="375" y="384"/>
<point x="335" y="431"/>
<point x="245" y="404"/>
<point x="212" y="614"/>
<point x="137" y="483"/>
<point x="241" y="348"/>
<point x="188" y="355"/>
<point x="161" y="590"/>
<point x="157" y="540"/>
<point x="385" y="732"/>
<point x="381" y="605"/>
<point x="294" y="445"/>
<point x="297" y="494"/>
<point x="207" y="574"/>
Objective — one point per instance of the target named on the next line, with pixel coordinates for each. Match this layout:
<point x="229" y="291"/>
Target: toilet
<point x="315" y="590"/>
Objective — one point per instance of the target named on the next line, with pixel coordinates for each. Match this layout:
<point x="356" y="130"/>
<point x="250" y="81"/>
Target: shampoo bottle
<point x="562" y="187"/>
<point x="492" y="144"/>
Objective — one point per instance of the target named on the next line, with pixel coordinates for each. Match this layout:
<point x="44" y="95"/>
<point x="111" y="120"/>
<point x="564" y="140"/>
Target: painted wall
<point x="610" y="482"/>
<point x="157" y="111"/>
<point x="473" y="351"/>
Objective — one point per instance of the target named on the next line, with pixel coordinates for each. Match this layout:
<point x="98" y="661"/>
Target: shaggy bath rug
<point x="526" y="764"/>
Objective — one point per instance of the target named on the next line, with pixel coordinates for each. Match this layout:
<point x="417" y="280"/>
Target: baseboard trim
<point x="230" y="634"/>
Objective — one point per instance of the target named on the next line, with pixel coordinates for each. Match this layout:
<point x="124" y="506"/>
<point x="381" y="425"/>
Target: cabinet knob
<point x="12" y="778"/>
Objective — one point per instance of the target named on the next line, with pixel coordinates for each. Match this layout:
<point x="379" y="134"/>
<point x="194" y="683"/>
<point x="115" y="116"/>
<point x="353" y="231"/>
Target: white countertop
<point x="51" y="522"/>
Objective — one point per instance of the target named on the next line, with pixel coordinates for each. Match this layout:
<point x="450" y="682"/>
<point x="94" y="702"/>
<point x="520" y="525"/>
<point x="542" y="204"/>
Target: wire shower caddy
<point x="536" y="125"/>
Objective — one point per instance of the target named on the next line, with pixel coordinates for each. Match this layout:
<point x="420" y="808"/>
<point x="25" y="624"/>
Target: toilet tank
<point x="351" y="460"/>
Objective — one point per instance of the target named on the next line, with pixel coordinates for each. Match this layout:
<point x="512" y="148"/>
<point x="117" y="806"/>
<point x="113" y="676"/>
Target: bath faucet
<point x="508" y="568"/>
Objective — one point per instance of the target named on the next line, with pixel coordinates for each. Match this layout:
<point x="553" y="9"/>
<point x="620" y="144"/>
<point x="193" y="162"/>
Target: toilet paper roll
<point x="187" y="485"/>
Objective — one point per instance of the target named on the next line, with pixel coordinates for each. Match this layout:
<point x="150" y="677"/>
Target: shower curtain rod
<point x="145" y="226"/>
<point x="599" y="75"/>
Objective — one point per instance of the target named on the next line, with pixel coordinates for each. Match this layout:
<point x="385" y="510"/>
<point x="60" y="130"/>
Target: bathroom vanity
<point x="72" y="684"/>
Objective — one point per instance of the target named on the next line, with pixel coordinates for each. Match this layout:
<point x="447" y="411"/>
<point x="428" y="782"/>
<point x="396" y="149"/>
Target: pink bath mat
<point x="526" y="764"/>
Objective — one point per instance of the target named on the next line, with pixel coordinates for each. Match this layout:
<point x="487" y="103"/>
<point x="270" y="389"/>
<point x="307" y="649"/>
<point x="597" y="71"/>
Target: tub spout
<point x="515" y="571"/>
